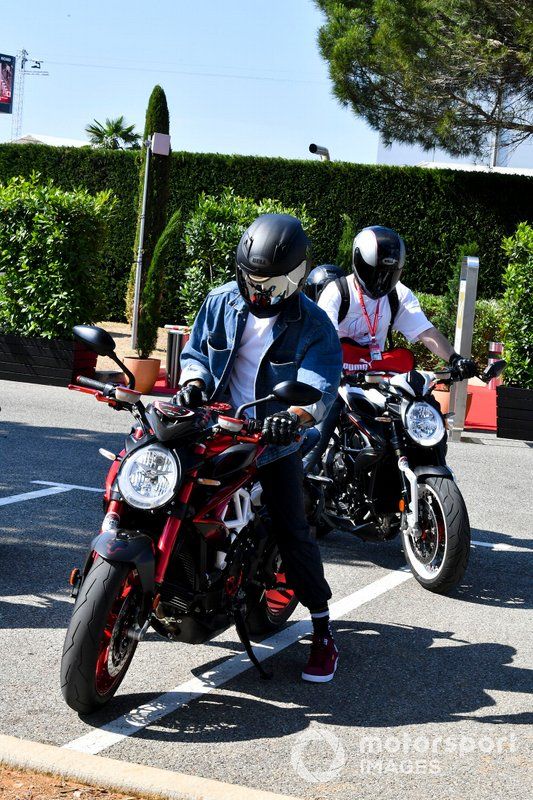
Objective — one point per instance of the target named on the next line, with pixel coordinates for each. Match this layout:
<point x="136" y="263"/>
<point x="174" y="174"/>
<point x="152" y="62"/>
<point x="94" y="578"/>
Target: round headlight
<point x="148" y="477"/>
<point x="424" y="424"/>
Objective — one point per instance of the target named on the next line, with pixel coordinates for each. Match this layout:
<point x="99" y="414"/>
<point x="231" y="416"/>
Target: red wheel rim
<point x="279" y="598"/>
<point x="116" y="647"/>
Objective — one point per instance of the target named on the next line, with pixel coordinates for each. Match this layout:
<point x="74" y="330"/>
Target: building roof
<point x="475" y="167"/>
<point x="54" y="141"/>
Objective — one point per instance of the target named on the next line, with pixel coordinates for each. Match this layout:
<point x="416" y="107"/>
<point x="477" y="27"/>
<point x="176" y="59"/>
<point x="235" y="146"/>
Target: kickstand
<point x="240" y="625"/>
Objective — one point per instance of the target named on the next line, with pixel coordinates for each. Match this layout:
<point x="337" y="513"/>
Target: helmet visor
<point x="262" y="293"/>
<point x="376" y="282"/>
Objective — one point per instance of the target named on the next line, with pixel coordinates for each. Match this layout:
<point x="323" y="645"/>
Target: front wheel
<point x="438" y="559"/>
<point x="98" y="646"/>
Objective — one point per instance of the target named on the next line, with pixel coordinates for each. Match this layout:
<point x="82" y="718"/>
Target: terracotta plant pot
<point x="146" y="371"/>
<point x="443" y="397"/>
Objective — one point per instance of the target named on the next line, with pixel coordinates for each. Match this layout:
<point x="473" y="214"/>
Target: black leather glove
<point x="190" y="396"/>
<point x="464" y="367"/>
<point x="281" y="428"/>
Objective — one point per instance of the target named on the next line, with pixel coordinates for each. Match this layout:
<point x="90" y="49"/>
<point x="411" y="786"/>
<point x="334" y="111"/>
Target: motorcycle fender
<point x="433" y="472"/>
<point x="131" y="547"/>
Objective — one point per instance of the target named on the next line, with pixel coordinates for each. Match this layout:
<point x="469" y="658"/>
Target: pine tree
<point x="451" y="73"/>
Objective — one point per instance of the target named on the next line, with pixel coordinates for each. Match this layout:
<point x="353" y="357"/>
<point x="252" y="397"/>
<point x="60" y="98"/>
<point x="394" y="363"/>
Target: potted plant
<point x="49" y="245"/>
<point x="515" y="396"/>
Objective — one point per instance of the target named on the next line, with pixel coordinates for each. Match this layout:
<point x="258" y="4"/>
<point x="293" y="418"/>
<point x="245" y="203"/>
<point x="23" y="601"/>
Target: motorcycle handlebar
<point x="90" y="383"/>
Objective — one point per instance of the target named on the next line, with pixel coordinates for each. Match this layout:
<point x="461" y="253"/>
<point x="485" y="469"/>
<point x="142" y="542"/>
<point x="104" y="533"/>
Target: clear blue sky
<point x="240" y="76"/>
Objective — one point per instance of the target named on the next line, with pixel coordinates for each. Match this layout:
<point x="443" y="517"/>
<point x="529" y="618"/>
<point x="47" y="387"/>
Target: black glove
<point x="281" y="428"/>
<point x="464" y="367"/>
<point x="190" y="396"/>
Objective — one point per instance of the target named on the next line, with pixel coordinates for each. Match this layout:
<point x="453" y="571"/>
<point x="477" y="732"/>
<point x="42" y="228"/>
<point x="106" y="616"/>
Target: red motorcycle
<point x="185" y="544"/>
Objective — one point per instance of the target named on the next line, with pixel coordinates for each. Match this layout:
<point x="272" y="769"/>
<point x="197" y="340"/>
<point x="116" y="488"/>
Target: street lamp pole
<point x="138" y="271"/>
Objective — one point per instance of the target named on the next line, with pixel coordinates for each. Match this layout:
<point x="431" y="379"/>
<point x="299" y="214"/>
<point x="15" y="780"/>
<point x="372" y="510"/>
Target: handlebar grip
<point x="90" y="383"/>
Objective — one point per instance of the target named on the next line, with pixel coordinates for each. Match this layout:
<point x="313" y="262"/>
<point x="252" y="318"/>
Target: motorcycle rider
<point x="364" y="316"/>
<point x="249" y="335"/>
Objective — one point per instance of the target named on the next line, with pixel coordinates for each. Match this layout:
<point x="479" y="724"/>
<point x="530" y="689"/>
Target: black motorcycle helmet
<point x="378" y="259"/>
<point x="273" y="261"/>
<point x="319" y="277"/>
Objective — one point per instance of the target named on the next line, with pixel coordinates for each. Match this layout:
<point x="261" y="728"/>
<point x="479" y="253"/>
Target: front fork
<point x="409" y="482"/>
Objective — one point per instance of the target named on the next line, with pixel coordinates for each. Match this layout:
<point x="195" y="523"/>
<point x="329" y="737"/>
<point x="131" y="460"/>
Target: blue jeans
<point x="282" y="484"/>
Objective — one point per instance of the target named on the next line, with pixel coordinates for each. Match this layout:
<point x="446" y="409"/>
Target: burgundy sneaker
<point x="322" y="660"/>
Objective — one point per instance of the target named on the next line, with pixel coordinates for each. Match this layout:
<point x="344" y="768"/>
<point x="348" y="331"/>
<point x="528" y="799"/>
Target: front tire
<point x="439" y="559"/>
<point x="98" y="650"/>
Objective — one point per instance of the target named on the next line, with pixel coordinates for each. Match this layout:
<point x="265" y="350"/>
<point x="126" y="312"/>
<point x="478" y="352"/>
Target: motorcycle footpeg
<point x="319" y="479"/>
<point x="340" y="523"/>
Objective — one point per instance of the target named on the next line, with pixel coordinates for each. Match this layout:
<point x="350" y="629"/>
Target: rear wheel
<point x="438" y="559"/>
<point x="270" y="607"/>
<point x="98" y="646"/>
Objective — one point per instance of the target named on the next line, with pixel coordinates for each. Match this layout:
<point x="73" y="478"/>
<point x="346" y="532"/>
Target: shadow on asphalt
<point x="389" y="676"/>
<point x="43" y="565"/>
<point x="37" y="562"/>
<point x="42" y="540"/>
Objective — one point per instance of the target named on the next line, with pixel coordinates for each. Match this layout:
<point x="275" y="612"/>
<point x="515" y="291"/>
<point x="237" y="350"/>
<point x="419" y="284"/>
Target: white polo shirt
<point x="410" y="320"/>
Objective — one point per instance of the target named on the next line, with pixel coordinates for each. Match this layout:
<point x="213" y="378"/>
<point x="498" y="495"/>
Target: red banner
<point x="7" y="80"/>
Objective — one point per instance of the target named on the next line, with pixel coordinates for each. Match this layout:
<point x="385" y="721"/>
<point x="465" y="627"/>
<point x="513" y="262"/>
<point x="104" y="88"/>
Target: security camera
<point x="318" y="150"/>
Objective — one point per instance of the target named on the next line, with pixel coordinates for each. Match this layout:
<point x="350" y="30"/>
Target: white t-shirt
<point x="410" y="319"/>
<point x="244" y="372"/>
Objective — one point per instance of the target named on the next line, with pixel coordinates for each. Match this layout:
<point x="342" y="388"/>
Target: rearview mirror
<point x="96" y="339"/>
<point x="296" y="393"/>
<point x="494" y="370"/>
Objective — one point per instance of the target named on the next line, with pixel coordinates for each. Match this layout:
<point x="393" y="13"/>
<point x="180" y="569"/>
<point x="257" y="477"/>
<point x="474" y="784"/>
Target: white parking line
<point x="69" y="486"/>
<point x="35" y="600"/>
<point x="128" y="724"/>
<point x="503" y="547"/>
<point x="53" y="488"/>
<point x="21" y="498"/>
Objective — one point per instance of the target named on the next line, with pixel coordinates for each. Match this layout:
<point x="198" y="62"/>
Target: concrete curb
<point x="121" y="776"/>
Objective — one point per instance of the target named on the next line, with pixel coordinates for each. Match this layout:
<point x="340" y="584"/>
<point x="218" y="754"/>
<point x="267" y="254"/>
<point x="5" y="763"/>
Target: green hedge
<point x="488" y="327"/>
<point x="518" y="308"/>
<point x="95" y="170"/>
<point x="435" y="210"/>
<point x="49" y="257"/>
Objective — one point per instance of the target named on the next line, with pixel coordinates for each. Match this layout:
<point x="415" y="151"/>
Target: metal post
<point x="464" y="330"/>
<point x="138" y="271"/>
<point x="495" y="354"/>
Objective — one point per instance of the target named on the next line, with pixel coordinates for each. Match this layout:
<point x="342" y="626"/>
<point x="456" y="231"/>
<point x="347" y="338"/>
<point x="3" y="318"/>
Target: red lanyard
<point x="372" y="327"/>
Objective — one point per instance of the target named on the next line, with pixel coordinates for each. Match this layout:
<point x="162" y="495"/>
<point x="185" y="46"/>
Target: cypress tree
<point x="157" y="121"/>
<point x="164" y="260"/>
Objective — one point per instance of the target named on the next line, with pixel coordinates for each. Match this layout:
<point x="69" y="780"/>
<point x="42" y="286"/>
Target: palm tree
<point x="114" y="135"/>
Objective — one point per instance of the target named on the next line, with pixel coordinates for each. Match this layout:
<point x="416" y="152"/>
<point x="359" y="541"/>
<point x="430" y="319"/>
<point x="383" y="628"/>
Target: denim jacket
<point x="303" y="346"/>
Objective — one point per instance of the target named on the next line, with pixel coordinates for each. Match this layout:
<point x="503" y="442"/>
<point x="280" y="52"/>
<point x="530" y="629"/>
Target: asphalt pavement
<point x="432" y="697"/>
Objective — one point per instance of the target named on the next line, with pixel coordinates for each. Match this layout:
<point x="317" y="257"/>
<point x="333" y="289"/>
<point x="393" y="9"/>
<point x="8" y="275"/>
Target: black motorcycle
<point x="384" y="473"/>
